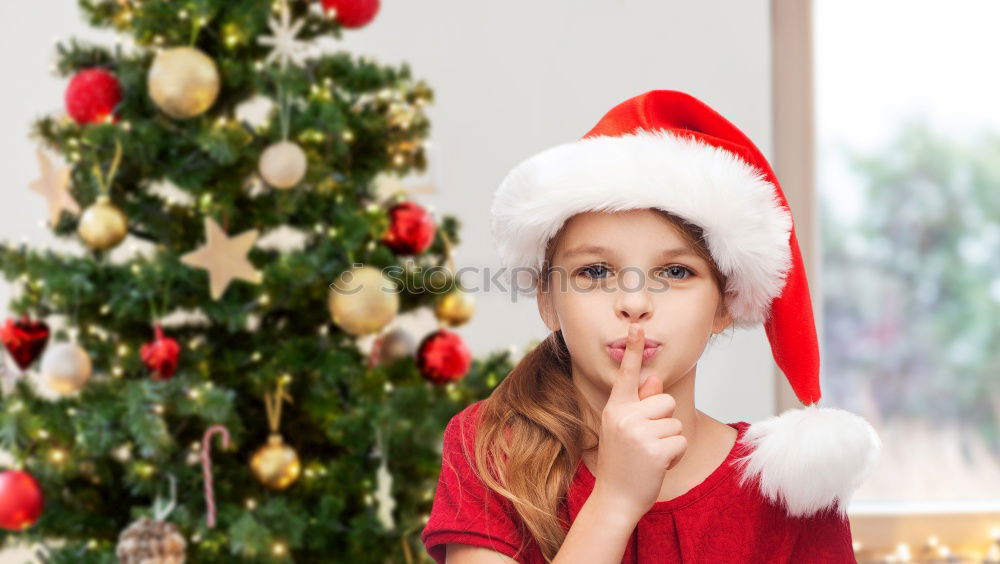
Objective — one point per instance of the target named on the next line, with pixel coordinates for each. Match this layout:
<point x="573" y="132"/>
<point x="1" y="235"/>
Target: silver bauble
<point x="283" y="165"/>
<point x="65" y="368"/>
<point x="396" y="345"/>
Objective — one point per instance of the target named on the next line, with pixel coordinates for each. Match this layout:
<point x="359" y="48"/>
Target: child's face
<point x="595" y="294"/>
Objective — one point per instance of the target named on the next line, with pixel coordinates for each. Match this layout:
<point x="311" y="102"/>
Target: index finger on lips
<point x="626" y="386"/>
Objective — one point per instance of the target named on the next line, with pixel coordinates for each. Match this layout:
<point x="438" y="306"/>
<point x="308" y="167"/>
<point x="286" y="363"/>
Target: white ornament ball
<point x="65" y="368"/>
<point x="283" y="164"/>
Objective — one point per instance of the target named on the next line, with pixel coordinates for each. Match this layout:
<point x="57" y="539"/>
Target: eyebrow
<point x="597" y="250"/>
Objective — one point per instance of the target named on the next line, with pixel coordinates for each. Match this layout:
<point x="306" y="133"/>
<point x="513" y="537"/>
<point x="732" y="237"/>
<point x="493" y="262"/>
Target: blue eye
<point x="588" y="270"/>
<point x="594" y="271"/>
<point x="681" y="268"/>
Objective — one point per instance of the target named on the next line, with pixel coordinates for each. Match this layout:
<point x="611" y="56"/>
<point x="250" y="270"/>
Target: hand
<point x="639" y="440"/>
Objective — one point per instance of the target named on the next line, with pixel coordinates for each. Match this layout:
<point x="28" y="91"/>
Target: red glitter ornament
<point x="24" y="339"/>
<point x="21" y="500"/>
<point x="352" y="14"/>
<point x="443" y="357"/>
<point x="411" y="229"/>
<point x="160" y="356"/>
<point x="92" y="95"/>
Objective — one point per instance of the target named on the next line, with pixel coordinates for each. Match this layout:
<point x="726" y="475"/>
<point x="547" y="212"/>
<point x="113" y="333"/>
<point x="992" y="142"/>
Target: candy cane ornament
<point x="206" y="464"/>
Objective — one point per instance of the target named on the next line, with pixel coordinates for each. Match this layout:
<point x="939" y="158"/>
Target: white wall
<point x="510" y="79"/>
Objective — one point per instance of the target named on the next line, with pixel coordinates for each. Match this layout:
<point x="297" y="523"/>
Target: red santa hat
<point x="668" y="150"/>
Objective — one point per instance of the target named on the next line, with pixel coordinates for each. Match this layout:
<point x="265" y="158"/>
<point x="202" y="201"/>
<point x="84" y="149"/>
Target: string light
<point x="123" y="453"/>
<point x="158" y="408"/>
<point x="279" y="548"/>
<point x="57" y="456"/>
<point x="231" y="35"/>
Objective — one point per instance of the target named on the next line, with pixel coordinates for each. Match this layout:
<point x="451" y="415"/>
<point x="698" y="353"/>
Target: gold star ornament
<point x="224" y="257"/>
<point x="53" y="185"/>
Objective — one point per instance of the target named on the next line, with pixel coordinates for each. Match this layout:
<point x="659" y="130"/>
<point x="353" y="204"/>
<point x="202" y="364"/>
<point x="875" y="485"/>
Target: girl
<point x="658" y="230"/>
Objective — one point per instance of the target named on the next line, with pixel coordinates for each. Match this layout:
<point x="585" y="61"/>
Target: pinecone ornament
<point x="148" y="541"/>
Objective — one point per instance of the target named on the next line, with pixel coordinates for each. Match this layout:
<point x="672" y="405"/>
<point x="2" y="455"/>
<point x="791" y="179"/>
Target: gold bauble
<point x="363" y="300"/>
<point x="455" y="308"/>
<point x="276" y="465"/>
<point x="102" y="225"/>
<point x="183" y="82"/>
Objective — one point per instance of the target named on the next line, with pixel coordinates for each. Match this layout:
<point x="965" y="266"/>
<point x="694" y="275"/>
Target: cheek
<point x="684" y="318"/>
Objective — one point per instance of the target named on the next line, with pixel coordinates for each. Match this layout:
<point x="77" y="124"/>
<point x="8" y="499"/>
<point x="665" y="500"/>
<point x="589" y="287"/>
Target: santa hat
<point x="668" y="150"/>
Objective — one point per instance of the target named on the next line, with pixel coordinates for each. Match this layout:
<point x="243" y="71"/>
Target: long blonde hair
<point x="537" y="410"/>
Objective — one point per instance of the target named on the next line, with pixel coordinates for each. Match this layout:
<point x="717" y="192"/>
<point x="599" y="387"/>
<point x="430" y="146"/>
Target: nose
<point x="632" y="299"/>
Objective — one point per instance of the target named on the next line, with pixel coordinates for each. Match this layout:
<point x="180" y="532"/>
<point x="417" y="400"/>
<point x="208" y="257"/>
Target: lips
<point x="618" y="353"/>
<point x="621" y="343"/>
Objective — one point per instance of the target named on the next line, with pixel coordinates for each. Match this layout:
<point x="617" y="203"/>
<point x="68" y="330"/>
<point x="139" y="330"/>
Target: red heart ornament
<point x="25" y="339"/>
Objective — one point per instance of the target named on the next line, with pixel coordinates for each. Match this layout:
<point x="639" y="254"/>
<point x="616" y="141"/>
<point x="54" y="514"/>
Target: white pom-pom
<point x="811" y="458"/>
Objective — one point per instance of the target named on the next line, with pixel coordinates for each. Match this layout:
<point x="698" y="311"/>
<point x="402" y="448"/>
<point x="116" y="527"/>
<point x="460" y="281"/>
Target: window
<point x="887" y="141"/>
<point x="908" y="194"/>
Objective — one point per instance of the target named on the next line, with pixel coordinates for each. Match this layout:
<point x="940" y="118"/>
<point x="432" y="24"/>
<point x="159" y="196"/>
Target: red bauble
<point x="411" y="229"/>
<point x="352" y="14"/>
<point x="25" y="339"/>
<point x="92" y="95"/>
<point x="160" y="356"/>
<point x="443" y="357"/>
<point x="21" y="500"/>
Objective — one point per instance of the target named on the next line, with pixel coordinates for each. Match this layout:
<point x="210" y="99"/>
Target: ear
<point x="723" y="319"/>
<point x="546" y="309"/>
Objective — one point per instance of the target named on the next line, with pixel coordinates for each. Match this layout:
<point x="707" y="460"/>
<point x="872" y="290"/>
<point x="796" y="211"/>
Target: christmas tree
<point x="180" y="389"/>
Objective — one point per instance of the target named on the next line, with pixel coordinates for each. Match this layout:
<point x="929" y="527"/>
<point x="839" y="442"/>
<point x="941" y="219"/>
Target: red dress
<point x="715" y="521"/>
